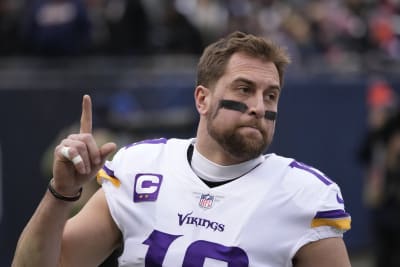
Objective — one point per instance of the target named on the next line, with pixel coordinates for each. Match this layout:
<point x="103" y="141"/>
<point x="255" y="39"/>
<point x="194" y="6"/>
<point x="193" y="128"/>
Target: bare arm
<point x="329" y="252"/>
<point x="41" y="243"/>
<point x="91" y="236"/>
<point x="43" y="233"/>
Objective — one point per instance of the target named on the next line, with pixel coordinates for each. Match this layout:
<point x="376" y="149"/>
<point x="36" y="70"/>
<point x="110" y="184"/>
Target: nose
<point x="257" y="107"/>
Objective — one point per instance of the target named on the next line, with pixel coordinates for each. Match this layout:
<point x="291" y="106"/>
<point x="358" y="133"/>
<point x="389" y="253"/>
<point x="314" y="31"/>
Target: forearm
<point x="40" y="242"/>
<point x="45" y="239"/>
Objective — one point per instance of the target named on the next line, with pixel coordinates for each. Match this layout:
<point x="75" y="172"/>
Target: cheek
<point x="226" y="116"/>
<point x="223" y="119"/>
<point x="268" y="128"/>
<point x="271" y="128"/>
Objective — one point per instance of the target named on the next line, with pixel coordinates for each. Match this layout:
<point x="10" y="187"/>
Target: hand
<point x="78" y="158"/>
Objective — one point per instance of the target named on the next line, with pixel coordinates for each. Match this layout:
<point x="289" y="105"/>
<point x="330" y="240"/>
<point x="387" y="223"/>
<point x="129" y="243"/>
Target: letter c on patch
<point x="147" y="186"/>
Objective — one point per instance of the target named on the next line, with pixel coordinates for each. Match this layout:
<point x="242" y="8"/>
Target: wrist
<point x="71" y="195"/>
<point x="65" y="188"/>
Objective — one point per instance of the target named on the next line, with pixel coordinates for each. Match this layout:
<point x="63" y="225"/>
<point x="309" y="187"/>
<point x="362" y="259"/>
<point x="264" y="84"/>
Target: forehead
<point x="260" y="71"/>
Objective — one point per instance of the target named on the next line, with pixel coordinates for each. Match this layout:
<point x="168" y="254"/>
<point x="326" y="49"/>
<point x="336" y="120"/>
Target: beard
<point x="235" y="143"/>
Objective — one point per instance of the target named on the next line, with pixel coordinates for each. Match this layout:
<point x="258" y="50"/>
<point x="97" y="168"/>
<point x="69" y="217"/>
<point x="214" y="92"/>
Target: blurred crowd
<point x="380" y="156"/>
<point x="338" y="31"/>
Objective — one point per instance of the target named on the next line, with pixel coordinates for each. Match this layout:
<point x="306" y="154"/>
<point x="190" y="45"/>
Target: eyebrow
<point x="243" y="80"/>
<point x="249" y="82"/>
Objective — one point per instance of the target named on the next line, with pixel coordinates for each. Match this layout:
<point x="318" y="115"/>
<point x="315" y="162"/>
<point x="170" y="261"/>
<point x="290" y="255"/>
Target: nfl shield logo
<point x="206" y="201"/>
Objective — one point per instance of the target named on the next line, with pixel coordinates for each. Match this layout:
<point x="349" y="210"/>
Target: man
<point x="214" y="200"/>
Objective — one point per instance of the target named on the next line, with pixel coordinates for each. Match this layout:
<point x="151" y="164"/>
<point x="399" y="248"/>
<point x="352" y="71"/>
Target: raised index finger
<point x="86" y="117"/>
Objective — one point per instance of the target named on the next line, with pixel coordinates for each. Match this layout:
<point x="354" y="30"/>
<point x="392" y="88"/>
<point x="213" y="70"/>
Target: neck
<point x="213" y="172"/>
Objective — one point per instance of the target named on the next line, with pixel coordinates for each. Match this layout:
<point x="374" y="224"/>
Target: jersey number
<point x="195" y="254"/>
<point x="302" y="166"/>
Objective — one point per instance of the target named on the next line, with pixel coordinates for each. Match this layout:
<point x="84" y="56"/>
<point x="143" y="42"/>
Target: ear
<point x="202" y="97"/>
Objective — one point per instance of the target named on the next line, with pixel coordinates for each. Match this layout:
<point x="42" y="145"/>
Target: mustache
<point x="242" y="107"/>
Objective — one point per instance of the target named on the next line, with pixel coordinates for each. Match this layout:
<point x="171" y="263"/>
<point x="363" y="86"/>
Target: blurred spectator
<point x="339" y="30"/>
<point x="56" y="27"/>
<point x="380" y="155"/>
<point x="128" y="26"/>
<point x="10" y="13"/>
<point x="210" y="17"/>
<point x="99" y="31"/>
<point x="241" y="16"/>
<point x="344" y="35"/>
<point x="285" y="24"/>
<point x="175" y="33"/>
<point x="381" y="106"/>
<point x="384" y="27"/>
<point x="388" y="210"/>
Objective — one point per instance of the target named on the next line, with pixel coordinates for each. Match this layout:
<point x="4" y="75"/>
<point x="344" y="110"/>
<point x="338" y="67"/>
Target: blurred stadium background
<point x="138" y="60"/>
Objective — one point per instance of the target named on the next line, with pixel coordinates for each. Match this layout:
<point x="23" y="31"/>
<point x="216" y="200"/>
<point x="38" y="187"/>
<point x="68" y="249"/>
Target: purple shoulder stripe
<point x="149" y="141"/>
<point x="109" y="171"/>
<point x="331" y="214"/>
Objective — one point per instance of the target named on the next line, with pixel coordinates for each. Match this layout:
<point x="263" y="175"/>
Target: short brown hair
<point x="215" y="57"/>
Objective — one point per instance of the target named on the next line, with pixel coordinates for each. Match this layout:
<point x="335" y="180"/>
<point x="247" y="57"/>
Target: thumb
<point x="106" y="150"/>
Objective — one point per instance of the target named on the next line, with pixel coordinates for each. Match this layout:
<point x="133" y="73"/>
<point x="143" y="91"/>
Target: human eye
<point x="244" y="89"/>
<point x="271" y="96"/>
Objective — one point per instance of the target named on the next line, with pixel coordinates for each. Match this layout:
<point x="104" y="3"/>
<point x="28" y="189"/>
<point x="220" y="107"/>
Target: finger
<point x="106" y="150"/>
<point x="77" y="159"/>
<point x="93" y="149"/>
<point x="86" y="117"/>
<point x="91" y="146"/>
<point x="65" y="152"/>
<point x="77" y="154"/>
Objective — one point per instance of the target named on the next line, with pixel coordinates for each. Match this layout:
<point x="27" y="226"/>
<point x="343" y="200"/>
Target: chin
<point x="248" y="148"/>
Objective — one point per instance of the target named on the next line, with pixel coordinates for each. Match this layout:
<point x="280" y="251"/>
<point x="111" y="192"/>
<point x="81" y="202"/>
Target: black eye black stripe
<point x="233" y="105"/>
<point x="270" y="115"/>
<point x="242" y="107"/>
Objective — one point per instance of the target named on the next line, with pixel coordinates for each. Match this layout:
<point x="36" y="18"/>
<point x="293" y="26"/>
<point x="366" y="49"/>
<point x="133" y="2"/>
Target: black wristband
<point x="61" y="197"/>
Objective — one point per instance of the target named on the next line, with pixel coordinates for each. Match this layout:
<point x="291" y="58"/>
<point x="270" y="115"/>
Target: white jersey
<point x="169" y="217"/>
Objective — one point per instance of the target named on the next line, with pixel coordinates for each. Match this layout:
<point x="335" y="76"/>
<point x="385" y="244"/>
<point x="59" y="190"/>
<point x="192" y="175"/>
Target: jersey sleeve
<point x="322" y="203"/>
<point x="329" y="220"/>
<point x="107" y="173"/>
<point x="112" y="186"/>
<point x="331" y="211"/>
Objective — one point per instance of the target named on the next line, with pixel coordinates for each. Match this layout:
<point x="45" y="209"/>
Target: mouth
<point x="253" y="125"/>
<point x="251" y="129"/>
<point x="250" y="126"/>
